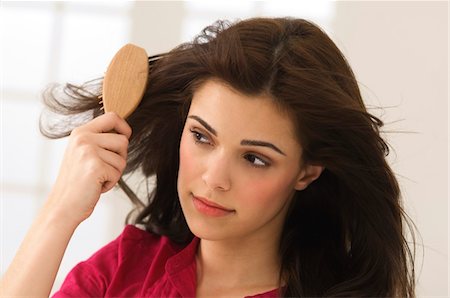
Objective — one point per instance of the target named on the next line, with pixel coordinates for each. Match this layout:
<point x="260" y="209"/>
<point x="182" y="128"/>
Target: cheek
<point x="270" y="192"/>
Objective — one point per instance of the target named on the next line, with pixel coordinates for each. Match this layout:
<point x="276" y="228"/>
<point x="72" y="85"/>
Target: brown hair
<point x="344" y="235"/>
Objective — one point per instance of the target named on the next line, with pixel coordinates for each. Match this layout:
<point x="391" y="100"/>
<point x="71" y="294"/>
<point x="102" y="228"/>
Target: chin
<point x="207" y="229"/>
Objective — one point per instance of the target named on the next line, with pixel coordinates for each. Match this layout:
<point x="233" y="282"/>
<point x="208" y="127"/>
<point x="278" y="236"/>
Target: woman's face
<point x="240" y="165"/>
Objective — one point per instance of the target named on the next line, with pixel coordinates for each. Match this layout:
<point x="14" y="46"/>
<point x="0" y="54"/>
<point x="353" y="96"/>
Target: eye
<point x="199" y="138"/>
<point x="256" y="161"/>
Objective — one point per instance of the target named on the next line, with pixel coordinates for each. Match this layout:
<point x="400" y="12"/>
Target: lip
<point x="210" y="208"/>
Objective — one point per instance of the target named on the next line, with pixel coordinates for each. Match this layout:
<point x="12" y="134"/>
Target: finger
<point x="108" y="186"/>
<point x="113" y="177"/>
<point x="112" y="159"/>
<point x="113" y="142"/>
<point x="110" y="141"/>
<point x="109" y="122"/>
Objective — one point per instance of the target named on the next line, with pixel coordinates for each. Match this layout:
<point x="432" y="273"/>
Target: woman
<point x="271" y="178"/>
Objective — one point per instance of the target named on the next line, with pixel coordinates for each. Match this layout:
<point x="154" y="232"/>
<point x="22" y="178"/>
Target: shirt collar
<point x="181" y="269"/>
<point x="182" y="272"/>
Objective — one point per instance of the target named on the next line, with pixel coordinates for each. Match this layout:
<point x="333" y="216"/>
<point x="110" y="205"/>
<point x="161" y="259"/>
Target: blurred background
<point x="398" y="51"/>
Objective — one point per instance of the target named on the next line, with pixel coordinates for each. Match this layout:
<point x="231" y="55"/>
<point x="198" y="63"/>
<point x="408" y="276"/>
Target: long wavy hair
<point x="345" y="235"/>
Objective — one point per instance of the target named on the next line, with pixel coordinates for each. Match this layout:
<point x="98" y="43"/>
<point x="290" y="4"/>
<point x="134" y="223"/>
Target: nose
<point x="217" y="172"/>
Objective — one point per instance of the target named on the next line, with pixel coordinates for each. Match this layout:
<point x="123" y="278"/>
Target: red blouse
<point x="137" y="264"/>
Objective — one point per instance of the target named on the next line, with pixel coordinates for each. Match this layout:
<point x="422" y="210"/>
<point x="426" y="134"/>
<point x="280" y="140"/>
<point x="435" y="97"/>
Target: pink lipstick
<point x="210" y="208"/>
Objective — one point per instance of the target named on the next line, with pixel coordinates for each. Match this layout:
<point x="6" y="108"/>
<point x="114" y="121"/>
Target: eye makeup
<point x="198" y="136"/>
<point x="244" y="142"/>
<point x="256" y="161"/>
<point x="252" y="158"/>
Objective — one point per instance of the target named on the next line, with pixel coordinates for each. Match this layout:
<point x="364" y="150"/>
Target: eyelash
<point x="198" y="136"/>
<point x="265" y="164"/>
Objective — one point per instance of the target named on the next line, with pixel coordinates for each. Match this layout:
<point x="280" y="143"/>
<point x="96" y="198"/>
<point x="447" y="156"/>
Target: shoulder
<point x="125" y="260"/>
<point x="133" y="246"/>
<point x="137" y="243"/>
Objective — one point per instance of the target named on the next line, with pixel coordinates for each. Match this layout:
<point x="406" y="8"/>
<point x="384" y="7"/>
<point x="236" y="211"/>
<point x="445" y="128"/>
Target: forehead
<point x="247" y="116"/>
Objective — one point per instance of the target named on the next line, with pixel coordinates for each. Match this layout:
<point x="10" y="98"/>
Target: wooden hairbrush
<point x="125" y="80"/>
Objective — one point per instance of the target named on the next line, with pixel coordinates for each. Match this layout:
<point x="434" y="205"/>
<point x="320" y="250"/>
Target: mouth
<point x="210" y="208"/>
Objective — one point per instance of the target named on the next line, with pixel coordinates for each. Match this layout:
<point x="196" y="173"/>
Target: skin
<point x="246" y="241"/>
<point x="93" y="163"/>
<point x="256" y="183"/>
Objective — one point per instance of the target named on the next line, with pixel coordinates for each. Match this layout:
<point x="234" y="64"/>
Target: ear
<point x="308" y="174"/>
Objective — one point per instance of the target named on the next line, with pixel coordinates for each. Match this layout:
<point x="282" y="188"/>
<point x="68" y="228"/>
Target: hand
<point x="93" y="163"/>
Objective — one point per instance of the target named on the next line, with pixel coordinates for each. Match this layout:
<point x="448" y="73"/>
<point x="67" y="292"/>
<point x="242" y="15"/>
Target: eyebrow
<point x="205" y="124"/>
<point x="262" y="144"/>
<point x="243" y="142"/>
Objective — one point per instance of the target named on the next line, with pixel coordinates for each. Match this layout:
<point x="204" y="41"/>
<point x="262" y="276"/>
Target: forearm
<point x="34" y="268"/>
<point x="92" y="164"/>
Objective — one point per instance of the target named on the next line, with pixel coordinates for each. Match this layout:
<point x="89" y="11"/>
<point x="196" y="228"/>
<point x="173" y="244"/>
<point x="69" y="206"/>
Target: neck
<point x="238" y="263"/>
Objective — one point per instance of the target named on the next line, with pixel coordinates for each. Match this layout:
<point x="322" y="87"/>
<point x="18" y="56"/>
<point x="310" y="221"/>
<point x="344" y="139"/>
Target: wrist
<point x="57" y="214"/>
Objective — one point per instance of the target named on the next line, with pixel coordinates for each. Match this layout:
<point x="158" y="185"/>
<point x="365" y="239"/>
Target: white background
<point x="398" y="51"/>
